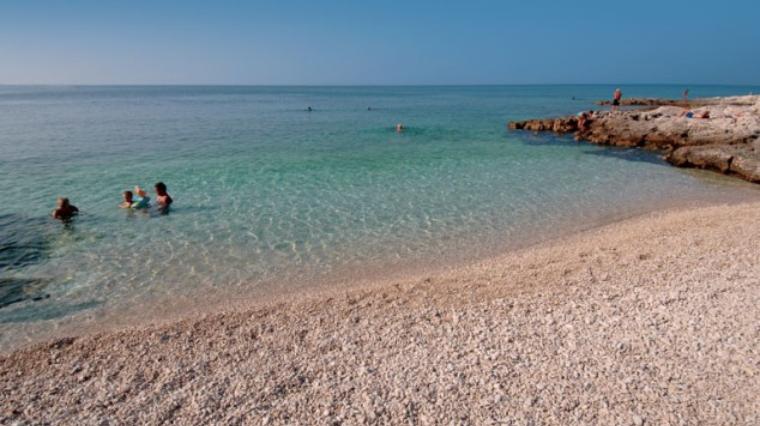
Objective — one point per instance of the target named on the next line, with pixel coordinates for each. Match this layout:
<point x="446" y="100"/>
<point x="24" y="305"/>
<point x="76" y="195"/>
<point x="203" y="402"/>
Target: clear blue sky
<point x="379" y="42"/>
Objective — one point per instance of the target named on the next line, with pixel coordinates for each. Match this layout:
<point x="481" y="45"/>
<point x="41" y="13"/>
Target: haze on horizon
<point x="420" y="42"/>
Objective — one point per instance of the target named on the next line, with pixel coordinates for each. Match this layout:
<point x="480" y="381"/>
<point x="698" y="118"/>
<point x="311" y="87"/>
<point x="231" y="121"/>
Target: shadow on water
<point x="629" y="154"/>
<point x="637" y="155"/>
<point x="532" y="138"/>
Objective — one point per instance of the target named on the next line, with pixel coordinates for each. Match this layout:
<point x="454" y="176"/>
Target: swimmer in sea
<point x="64" y="210"/>
<point x="400" y="128"/>
<point x="163" y="199"/>
<point x="142" y="201"/>
<point x="127" y="200"/>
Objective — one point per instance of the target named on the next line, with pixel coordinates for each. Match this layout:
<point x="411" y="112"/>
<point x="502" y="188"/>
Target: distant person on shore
<point x="400" y="128"/>
<point x="163" y="199"/>
<point x="127" y="200"/>
<point x="64" y="210"/>
<point x="616" y="98"/>
<point x="686" y="96"/>
<point x="142" y="201"/>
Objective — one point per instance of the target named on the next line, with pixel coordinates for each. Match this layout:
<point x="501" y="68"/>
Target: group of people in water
<point x="137" y="200"/>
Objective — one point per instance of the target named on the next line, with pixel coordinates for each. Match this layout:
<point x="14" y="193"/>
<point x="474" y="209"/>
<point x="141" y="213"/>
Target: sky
<point x="313" y="42"/>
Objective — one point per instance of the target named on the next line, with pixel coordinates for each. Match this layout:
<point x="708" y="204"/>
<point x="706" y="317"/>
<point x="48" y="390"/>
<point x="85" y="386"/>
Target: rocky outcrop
<point x="728" y="141"/>
<point x="651" y="102"/>
<point x="736" y="160"/>
<point x="691" y="103"/>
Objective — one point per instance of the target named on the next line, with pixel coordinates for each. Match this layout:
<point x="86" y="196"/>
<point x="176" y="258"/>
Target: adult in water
<point x="400" y="127"/>
<point x="64" y="210"/>
<point x="163" y="199"/>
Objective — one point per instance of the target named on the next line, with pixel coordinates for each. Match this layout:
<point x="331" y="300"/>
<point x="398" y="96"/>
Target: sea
<point x="283" y="190"/>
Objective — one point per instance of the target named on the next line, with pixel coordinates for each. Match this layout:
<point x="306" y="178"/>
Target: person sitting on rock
<point x="584" y="117"/>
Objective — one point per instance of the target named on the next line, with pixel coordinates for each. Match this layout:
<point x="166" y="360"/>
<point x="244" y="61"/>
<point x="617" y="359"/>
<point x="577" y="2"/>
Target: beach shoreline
<point x="193" y="304"/>
<point x="583" y="328"/>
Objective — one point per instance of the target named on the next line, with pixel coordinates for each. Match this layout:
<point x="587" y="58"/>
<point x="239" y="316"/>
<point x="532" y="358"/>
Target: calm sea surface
<point x="270" y="198"/>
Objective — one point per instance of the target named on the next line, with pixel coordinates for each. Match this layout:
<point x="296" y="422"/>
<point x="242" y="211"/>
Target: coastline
<point x="721" y="134"/>
<point x="169" y="309"/>
<point x="649" y="319"/>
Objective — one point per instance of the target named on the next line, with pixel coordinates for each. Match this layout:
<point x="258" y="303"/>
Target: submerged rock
<point x="726" y="140"/>
<point x="15" y="290"/>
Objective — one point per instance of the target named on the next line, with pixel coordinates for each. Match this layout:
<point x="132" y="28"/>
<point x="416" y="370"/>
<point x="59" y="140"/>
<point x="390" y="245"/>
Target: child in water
<point x="64" y="210"/>
<point x="128" y="200"/>
<point x="142" y="201"/>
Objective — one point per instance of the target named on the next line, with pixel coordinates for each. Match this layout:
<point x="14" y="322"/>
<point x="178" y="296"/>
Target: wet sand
<point x="653" y="320"/>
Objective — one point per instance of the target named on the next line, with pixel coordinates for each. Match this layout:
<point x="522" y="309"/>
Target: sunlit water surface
<point x="271" y="198"/>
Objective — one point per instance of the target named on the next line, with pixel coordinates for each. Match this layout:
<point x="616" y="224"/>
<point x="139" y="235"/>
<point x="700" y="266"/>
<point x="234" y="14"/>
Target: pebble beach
<point x="651" y="320"/>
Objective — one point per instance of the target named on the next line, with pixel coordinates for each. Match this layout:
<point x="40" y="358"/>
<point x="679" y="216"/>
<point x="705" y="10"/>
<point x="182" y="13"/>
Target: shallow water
<point x="271" y="198"/>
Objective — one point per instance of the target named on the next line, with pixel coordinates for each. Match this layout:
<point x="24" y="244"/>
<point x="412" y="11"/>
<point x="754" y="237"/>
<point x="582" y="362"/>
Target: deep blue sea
<point x="271" y="198"/>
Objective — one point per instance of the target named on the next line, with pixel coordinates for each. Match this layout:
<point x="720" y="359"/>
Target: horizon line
<point x="362" y="85"/>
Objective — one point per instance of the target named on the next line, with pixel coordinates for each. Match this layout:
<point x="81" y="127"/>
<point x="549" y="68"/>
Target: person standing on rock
<point x="616" y="97"/>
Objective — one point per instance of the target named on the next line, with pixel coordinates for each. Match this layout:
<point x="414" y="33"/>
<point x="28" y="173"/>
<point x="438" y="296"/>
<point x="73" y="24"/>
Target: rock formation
<point x="727" y="141"/>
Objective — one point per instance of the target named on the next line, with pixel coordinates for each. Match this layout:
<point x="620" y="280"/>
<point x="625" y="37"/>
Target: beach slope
<point x="652" y="320"/>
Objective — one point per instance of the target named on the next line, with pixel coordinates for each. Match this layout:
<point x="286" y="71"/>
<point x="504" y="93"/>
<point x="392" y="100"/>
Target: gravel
<point x="649" y="321"/>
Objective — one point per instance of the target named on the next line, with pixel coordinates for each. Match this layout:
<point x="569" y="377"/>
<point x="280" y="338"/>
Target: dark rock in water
<point x="723" y="135"/>
<point x="22" y="241"/>
<point x="15" y="290"/>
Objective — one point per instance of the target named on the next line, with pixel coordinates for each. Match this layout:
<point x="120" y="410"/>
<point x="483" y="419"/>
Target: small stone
<point x="529" y="402"/>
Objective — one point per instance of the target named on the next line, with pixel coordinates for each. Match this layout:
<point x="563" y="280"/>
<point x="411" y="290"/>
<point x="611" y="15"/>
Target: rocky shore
<point x="650" y="321"/>
<point x="720" y="134"/>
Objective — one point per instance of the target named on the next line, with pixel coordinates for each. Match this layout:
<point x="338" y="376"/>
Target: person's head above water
<point x="400" y="127"/>
<point x="162" y="197"/>
<point x="64" y="210"/>
<point x="160" y="188"/>
<point x="127" y="199"/>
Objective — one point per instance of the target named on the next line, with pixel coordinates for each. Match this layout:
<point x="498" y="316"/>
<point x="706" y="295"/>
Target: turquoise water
<point x="271" y="198"/>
